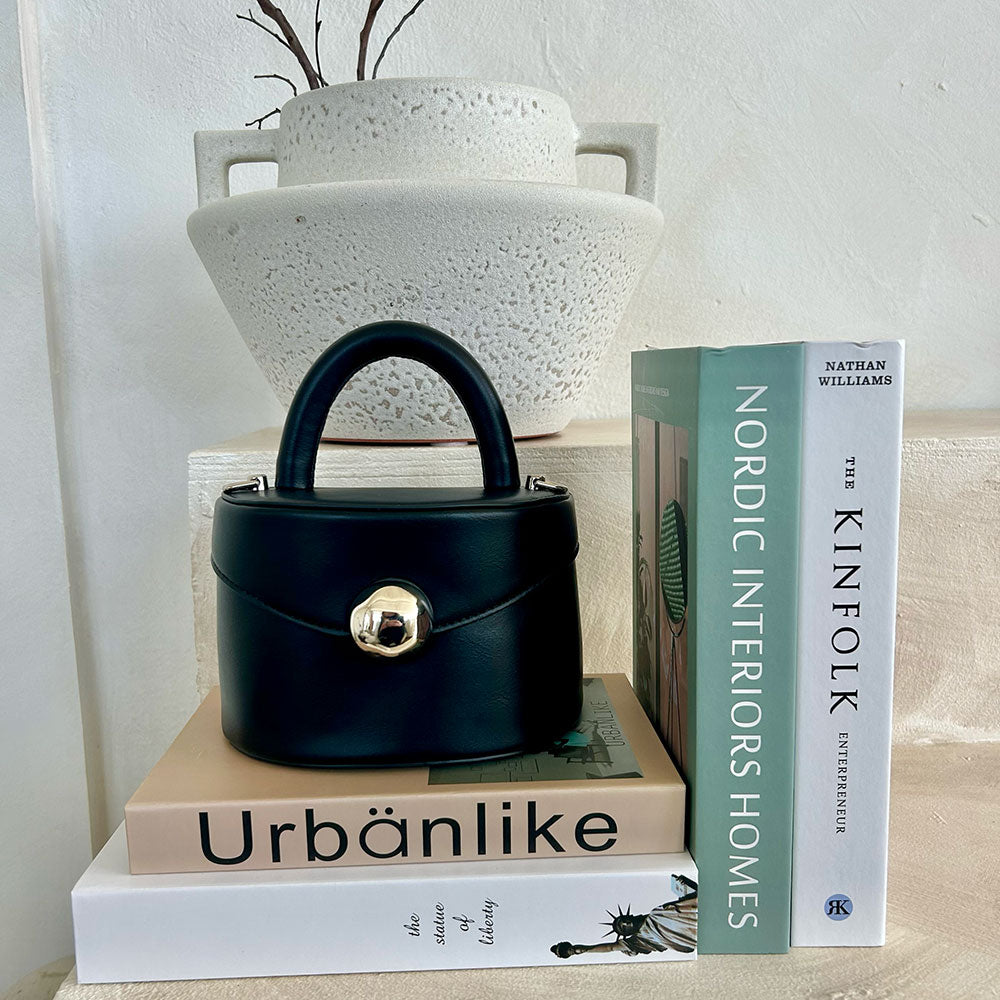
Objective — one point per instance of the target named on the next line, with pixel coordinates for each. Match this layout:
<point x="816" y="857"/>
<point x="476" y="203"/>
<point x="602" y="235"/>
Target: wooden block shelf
<point x="947" y="686"/>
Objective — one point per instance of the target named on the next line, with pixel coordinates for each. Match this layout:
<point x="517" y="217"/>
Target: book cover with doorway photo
<point x="661" y="585"/>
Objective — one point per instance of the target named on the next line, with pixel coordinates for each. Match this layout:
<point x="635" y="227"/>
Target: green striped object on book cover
<point x="716" y="466"/>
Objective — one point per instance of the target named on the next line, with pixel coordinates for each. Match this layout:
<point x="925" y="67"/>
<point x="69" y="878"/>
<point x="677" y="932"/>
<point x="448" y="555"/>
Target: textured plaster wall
<point x="827" y="171"/>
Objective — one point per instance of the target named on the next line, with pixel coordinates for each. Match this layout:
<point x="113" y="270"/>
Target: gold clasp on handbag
<point x="391" y="619"/>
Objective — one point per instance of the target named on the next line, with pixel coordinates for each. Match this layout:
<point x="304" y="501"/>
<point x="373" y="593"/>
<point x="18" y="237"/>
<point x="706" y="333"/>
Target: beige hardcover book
<point x="607" y="787"/>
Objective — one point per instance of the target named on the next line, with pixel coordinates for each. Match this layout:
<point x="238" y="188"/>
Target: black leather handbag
<point x="362" y="627"/>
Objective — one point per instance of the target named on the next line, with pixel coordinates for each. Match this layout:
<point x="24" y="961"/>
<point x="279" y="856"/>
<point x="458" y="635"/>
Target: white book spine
<point x="209" y="925"/>
<point x="851" y="445"/>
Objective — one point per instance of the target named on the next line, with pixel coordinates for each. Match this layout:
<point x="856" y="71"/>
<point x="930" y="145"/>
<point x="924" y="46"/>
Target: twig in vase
<point x="392" y="35"/>
<point x="259" y="122"/>
<point x="277" y="76"/>
<point x="319" y="24"/>
<point x="248" y="16"/>
<point x="366" y="30"/>
<point x="291" y="40"/>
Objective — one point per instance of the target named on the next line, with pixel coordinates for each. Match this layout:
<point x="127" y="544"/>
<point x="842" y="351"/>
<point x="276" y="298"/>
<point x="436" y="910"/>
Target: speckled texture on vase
<point x="447" y="202"/>
<point x="426" y="127"/>
<point x="532" y="278"/>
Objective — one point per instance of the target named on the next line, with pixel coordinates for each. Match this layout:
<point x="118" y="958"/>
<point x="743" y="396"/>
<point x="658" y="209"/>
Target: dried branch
<point x="263" y="118"/>
<point x="291" y="40"/>
<point x="314" y="73"/>
<point x="366" y="31"/>
<point x="263" y="27"/>
<point x="277" y="76"/>
<point x="392" y="35"/>
<point x="319" y="24"/>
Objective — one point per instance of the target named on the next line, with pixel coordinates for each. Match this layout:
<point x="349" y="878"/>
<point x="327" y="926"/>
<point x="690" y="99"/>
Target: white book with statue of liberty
<point x="381" y="918"/>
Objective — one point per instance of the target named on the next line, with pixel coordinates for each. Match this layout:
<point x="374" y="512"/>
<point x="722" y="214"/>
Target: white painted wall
<point x="828" y="171"/>
<point x="44" y="827"/>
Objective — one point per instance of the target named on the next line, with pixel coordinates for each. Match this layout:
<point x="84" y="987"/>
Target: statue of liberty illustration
<point x="670" y="926"/>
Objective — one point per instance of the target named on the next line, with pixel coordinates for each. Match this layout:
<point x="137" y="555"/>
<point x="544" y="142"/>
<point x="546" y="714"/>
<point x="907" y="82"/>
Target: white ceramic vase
<point x="442" y="201"/>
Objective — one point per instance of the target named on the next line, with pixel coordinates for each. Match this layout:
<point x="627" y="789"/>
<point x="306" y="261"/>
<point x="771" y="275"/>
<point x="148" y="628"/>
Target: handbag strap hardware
<point x="259" y="484"/>
<point x="541" y="483"/>
<point x="255" y="484"/>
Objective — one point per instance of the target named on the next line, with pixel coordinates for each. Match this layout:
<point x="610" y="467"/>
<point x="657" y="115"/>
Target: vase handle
<point x="634" y="142"/>
<point x="216" y="152"/>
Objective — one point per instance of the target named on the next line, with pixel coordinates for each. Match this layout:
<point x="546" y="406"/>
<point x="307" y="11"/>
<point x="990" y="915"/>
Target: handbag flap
<point x="309" y="554"/>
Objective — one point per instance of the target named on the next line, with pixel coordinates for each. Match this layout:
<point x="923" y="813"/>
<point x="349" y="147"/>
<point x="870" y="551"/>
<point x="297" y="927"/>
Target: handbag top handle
<point x="296" y="467"/>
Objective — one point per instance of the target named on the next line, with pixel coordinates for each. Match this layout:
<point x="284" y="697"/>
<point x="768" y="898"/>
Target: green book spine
<point x="716" y="439"/>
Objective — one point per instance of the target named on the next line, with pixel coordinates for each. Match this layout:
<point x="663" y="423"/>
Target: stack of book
<point x="228" y="866"/>
<point x="766" y="505"/>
